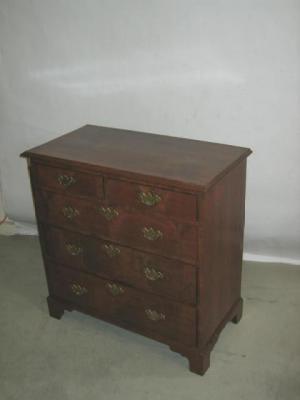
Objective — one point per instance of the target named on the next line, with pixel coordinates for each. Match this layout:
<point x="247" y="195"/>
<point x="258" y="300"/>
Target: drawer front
<point x="66" y="211"/>
<point x="67" y="181"/>
<point x="87" y="253"/>
<point x="157" y="235"/>
<point x="128" y="307"/>
<point x="154" y="274"/>
<point x="151" y="200"/>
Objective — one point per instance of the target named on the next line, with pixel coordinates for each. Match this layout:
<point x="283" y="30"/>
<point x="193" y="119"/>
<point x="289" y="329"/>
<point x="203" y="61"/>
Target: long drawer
<point x="126" y="306"/>
<point x="145" y="271"/>
<point x="158" y="235"/>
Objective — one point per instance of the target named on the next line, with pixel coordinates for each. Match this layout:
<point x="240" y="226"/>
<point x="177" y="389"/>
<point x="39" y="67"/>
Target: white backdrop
<point x="220" y="70"/>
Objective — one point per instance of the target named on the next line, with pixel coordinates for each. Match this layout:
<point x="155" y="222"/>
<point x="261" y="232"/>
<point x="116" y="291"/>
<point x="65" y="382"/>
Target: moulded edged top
<point x="190" y="164"/>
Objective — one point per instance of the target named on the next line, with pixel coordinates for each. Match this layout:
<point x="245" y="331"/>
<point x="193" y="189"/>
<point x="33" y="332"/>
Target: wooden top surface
<point x="192" y="164"/>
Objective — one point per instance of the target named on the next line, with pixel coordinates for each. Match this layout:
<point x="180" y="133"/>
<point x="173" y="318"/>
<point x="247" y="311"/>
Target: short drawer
<point x="176" y="239"/>
<point x="151" y="200"/>
<point x="66" y="211"/>
<point x="126" y="306"/>
<point x="155" y="274"/>
<point x="67" y="181"/>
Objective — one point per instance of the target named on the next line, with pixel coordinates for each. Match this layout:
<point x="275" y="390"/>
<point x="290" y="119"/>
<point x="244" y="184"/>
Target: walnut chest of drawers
<point x="143" y="231"/>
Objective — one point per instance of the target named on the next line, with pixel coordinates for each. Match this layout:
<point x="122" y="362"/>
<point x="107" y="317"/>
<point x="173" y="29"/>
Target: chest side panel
<point x="221" y="249"/>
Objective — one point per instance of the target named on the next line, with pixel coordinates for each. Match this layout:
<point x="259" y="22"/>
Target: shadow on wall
<point x="2" y="213"/>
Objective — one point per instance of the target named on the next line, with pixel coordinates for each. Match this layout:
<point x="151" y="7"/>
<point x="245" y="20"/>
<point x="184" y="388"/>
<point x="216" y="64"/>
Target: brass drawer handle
<point x="73" y="249"/>
<point x="153" y="274"/>
<point x="78" y="289"/>
<point x="151" y="233"/>
<point x="114" y="289"/>
<point x="70" y="212"/>
<point x="149" y="198"/>
<point x="153" y="315"/>
<point x="108" y="212"/>
<point x="111" y="250"/>
<point x="66" y="180"/>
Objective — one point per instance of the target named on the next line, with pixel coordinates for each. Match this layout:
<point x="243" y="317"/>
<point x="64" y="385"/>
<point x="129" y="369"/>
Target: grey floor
<point x="80" y="357"/>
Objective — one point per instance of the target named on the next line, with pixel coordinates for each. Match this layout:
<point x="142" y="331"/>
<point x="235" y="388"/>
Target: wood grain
<point x="193" y="164"/>
<point x="180" y="286"/>
<point x="176" y="205"/>
<point x="128" y="307"/>
<point x="128" y="266"/>
<point x="222" y="212"/>
<point x="178" y="239"/>
<point x="87" y="185"/>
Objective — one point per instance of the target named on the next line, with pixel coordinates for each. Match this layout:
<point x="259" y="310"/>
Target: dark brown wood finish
<point x="154" y="274"/>
<point x="190" y="164"/>
<point x="176" y="239"/>
<point x="132" y="308"/>
<point x="68" y="181"/>
<point x="222" y="213"/>
<point x="143" y="231"/>
<point x="171" y="204"/>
